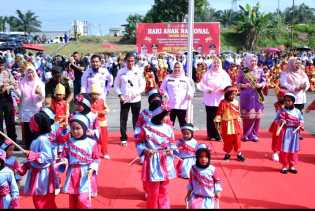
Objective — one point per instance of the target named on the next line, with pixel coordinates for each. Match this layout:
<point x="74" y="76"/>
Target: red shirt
<point x="100" y="108"/>
<point x="61" y="109"/>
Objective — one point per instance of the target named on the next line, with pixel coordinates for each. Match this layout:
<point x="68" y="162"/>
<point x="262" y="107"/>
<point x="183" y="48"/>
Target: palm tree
<point x="29" y="21"/>
<point x="226" y="17"/>
<point x="252" y="24"/>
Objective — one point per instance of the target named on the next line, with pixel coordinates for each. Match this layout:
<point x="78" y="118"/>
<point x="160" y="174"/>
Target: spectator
<point x="7" y="84"/>
<point x="179" y="90"/>
<point x="96" y="75"/>
<point x="32" y="94"/>
<point x="251" y="82"/>
<point x="128" y="85"/>
<point x="76" y="65"/>
<point x="213" y="83"/>
<point x="50" y="86"/>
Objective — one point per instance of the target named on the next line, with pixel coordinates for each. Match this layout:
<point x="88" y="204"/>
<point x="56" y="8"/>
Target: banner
<point x="153" y="38"/>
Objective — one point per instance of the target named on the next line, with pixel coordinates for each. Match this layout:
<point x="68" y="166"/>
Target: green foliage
<point x="130" y="27"/>
<point x="26" y="22"/>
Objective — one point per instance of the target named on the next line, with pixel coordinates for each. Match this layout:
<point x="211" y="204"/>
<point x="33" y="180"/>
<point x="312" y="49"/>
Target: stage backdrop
<point x="173" y="37"/>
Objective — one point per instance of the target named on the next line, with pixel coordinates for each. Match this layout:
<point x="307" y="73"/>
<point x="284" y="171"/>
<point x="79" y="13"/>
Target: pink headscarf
<point x="27" y="85"/>
<point x="295" y="77"/>
<point x="215" y="58"/>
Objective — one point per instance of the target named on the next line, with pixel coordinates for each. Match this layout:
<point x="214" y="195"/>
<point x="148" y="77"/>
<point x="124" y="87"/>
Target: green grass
<point x="90" y="44"/>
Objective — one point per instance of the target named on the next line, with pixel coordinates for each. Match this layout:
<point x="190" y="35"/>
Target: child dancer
<point x="273" y="127"/>
<point x="60" y="106"/>
<point x="228" y="119"/>
<point x="39" y="182"/>
<point x="100" y="108"/>
<point x="9" y="191"/>
<point x="11" y="161"/>
<point x="83" y="106"/>
<point x="186" y="149"/>
<point x="82" y="154"/>
<point x="204" y="188"/>
<point x="154" y="100"/>
<point x="291" y="120"/>
<point x="156" y="141"/>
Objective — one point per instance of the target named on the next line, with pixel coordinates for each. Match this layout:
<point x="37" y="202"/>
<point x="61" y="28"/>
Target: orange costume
<point x="228" y="115"/>
<point x="100" y="108"/>
<point x="61" y="109"/>
<point x="233" y="73"/>
<point x="161" y="71"/>
<point x="149" y="78"/>
<point x="310" y="72"/>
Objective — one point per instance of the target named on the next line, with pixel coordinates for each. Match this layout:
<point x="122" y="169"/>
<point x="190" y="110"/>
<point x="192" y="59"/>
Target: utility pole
<point x="292" y="24"/>
<point x="191" y="15"/>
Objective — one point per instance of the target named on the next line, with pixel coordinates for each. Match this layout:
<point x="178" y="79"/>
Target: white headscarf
<point x="295" y="77"/>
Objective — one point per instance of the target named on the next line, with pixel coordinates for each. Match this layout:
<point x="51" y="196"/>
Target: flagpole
<point x="191" y="14"/>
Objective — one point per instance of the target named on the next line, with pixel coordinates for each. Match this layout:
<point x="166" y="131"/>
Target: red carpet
<point x="256" y="183"/>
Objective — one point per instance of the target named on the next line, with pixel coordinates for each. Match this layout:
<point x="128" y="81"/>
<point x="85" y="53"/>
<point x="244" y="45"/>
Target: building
<point x="117" y="32"/>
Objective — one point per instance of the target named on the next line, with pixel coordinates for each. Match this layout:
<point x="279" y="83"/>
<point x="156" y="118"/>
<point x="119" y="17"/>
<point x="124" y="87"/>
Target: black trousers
<point x="8" y="115"/>
<point x="211" y="129"/>
<point x="180" y="114"/>
<point x="27" y="135"/>
<point x="124" y="111"/>
<point x="76" y="87"/>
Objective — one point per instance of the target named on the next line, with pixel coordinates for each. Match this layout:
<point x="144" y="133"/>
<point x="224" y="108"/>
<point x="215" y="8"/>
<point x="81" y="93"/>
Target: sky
<point x="58" y="15"/>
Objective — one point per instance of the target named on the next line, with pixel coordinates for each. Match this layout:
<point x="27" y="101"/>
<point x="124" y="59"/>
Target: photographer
<point x="7" y="84"/>
<point x="77" y="65"/>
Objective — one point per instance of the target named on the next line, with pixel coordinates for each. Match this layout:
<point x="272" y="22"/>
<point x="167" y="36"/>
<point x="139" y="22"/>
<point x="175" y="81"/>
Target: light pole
<point x="191" y="15"/>
<point x="292" y="24"/>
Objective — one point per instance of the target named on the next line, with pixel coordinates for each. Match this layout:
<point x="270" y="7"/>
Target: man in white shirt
<point x="179" y="90"/>
<point x="128" y="85"/>
<point x="96" y="75"/>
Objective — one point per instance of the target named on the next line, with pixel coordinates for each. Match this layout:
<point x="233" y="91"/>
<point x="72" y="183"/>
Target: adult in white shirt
<point x="212" y="85"/>
<point x="129" y="84"/>
<point x="96" y="75"/>
<point x="296" y="81"/>
<point x="179" y="90"/>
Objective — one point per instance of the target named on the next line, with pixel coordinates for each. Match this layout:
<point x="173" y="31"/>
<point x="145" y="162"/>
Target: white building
<point x="80" y="28"/>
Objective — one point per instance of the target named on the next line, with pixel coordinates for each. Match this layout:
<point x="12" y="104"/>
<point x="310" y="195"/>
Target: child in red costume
<point x="60" y="106"/>
<point x="228" y="119"/>
<point x="274" y="126"/>
<point x="100" y="108"/>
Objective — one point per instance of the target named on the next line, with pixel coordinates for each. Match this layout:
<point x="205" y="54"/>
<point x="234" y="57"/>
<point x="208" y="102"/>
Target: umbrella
<point x="34" y="47"/>
<point x="110" y="46"/>
<point x="303" y="48"/>
<point x="272" y="50"/>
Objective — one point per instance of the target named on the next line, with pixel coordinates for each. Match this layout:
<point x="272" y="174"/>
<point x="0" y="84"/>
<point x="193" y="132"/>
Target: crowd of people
<point x="61" y="104"/>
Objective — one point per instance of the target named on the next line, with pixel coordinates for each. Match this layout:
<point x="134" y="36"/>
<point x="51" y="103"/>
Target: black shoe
<point x="301" y="138"/>
<point x="227" y="157"/>
<point x="240" y="157"/>
<point x="284" y="171"/>
<point x="293" y="170"/>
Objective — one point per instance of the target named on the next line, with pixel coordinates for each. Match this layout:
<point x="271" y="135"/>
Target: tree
<point x="252" y="24"/>
<point x="175" y="10"/>
<point x="130" y="27"/>
<point x="28" y="22"/>
<point x="299" y="14"/>
<point x="226" y="17"/>
<point x="3" y="20"/>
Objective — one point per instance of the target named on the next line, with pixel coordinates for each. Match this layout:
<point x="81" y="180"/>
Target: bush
<point x="91" y="39"/>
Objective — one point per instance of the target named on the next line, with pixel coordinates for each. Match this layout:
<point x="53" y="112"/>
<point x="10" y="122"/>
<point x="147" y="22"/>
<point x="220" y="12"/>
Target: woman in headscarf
<point x="296" y="82"/>
<point x="213" y="83"/>
<point x="251" y="81"/>
<point x="32" y="93"/>
<point x="179" y="90"/>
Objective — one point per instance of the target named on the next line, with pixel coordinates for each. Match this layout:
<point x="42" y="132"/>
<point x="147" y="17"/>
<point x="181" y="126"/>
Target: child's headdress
<point x="292" y="96"/>
<point x="60" y="89"/>
<point x="153" y="93"/>
<point x="95" y="88"/>
<point x="83" y="121"/>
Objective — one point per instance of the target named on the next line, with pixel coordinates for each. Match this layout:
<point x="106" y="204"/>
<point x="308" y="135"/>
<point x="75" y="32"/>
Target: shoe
<point x="244" y="139"/>
<point x="227" y="157"/>
<point x="284" y="171"/>
<point x="57" y="191"/>
<point x="275" y="157"/>
<point x="301" y="138"/>
<point x="293" y="170"/>
<point x="107" y="157"/>
<point x="240" y="157"/>
<point x="124" y="143"/>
